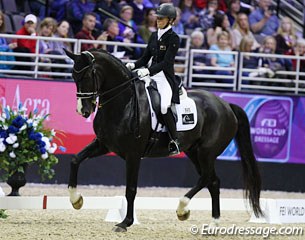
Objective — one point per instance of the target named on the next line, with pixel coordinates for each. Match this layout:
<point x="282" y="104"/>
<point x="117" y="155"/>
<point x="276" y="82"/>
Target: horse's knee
<point x="131" y="193"/>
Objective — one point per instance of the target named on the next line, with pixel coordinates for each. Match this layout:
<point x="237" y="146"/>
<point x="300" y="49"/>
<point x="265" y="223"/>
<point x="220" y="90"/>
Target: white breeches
<point x="165" y="91"/>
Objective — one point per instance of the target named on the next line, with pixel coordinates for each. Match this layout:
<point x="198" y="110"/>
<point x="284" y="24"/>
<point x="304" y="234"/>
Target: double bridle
<point x="94" y="94"/>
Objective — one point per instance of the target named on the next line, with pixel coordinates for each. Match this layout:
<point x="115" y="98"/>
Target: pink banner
<point x="54" y="98"/>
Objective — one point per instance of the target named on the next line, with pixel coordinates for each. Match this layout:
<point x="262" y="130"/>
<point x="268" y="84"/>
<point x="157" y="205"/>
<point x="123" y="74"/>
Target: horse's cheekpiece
<point x="186" y="113"/>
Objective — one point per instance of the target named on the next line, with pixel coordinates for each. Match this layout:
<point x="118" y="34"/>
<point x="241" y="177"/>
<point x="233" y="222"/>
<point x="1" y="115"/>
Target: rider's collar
<point x="162" y="31"/>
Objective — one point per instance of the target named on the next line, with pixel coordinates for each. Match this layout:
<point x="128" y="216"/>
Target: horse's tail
<point x="251" y="175"/>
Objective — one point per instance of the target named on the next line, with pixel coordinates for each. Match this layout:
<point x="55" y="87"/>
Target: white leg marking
<point x="74" y="195"/>
<point x="182" y="207"/>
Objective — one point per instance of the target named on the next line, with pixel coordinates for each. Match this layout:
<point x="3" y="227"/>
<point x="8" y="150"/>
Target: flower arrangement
<point x="25" y="140"/>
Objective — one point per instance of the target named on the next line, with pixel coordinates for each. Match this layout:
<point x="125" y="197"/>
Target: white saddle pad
<point x="186" y="112"/>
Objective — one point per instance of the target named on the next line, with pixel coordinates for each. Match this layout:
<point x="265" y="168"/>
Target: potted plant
<point x="25" y="140"/>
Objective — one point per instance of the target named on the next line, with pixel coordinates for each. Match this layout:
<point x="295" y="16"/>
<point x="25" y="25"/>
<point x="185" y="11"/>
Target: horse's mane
<point x="120" y="65"/>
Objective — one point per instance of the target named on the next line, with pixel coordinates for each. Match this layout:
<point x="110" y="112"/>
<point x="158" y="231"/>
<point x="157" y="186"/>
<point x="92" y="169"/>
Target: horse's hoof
<point x="185" y="216"/>
<point x="119" y="229"/>
<point x="78" y="204"/>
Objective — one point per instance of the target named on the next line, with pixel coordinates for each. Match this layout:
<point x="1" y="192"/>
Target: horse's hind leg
<point x="95" y="148"/>
<point x="204" y="164"/>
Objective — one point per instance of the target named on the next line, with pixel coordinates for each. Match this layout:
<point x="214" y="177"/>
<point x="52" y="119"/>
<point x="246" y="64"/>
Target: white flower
<point x="11" y="139"/>
<point x="22" y="128"/>
<point x="2" y="146"/>
<point x="47" y="142"/>
<point x="29" y="121"/>
<point x="16" y="145"/>
<point x="53" y="148"/>
<point x="53" y="133"/>
<point x="12" y="154"/>
<point x="45" y="155"/>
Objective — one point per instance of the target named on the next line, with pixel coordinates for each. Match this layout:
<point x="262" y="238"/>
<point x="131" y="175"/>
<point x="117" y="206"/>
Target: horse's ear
<point x="70" y="54"/>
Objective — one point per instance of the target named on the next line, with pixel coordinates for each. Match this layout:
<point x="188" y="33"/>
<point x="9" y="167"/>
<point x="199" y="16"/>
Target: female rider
<point x="162" y="47"/>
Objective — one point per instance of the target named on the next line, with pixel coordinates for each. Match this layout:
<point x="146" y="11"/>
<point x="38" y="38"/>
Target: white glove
<point x="143" y="72"/>
<point x="130" y="66"/>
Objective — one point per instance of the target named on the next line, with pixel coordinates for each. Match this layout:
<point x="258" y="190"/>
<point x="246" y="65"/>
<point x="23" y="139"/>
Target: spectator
<point x="149" y="24"/>
<point x="130" y="31"/>
<point x="76" y="11"/>
<point x="62" y="31"/>
<point x="201" y="4"/>
<point x="299" y="50"/>
<point x="26" y="45"/>
<point x="221" y="59"/>
<point x="249" y="62"/>
<point x="189" y="15"/>
<point x="111" y="30"/>
<point x="4" y="46"/>
<point x="241" y="29"/>
<point x="178" y="26"/>
<point x="59" y="9"/>
<point x="233" y="10"/>
<point x="286" y="37"/>
<point x="268" y="66"/>
<point x="221" y="23"/>
<point x="47" y="28"/>
<point x="88" y="24"/>
<point x="199" y="59"/>
<point x="38" y="8"/>
<point x="138" y="11"/>
<point x="110" y="6"/>
<point x="206" y="15"/>
<point x="263" y="21"/>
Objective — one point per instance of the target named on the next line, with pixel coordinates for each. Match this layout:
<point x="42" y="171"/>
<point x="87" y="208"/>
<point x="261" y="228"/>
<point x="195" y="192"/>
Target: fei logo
<point x="270" y="120"/>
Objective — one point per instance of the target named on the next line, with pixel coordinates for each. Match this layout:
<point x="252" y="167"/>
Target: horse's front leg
<point x="94" y="149"/>
<point x="132" y="173"/>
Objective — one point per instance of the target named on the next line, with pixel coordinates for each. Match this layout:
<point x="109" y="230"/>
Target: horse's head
<point x="84" y="75"/>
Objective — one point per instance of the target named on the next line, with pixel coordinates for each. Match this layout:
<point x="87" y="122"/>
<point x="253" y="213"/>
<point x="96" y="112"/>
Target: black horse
<point x="123" y="125"/>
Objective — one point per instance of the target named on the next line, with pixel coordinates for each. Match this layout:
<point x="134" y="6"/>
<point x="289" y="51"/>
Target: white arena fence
<point x="192" y="74"/>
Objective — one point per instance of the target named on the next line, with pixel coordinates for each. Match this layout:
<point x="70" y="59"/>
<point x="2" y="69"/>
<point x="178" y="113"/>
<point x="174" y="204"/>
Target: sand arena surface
<point x="154" y="224"/>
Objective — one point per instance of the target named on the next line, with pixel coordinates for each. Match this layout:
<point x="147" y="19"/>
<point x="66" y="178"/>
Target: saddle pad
<point x="186" y="112"/>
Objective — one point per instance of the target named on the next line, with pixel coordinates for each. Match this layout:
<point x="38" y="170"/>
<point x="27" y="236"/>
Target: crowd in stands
<point x="226" y="25"/>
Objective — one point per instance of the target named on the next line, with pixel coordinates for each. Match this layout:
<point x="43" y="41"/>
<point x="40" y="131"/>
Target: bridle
<point x="94" y="94"/>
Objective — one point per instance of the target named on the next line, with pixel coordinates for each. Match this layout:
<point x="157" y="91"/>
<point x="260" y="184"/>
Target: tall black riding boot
<point x="170" y="123"/>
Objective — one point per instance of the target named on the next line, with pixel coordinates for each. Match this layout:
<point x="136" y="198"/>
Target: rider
<point x="162" y="47"/>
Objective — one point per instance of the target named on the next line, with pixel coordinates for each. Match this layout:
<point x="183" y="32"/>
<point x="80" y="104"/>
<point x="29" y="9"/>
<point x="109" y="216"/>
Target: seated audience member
<point x="178" y="26"/>
<point x="47" y="28"/>
<point x="62" y="31"/>
<point x="199" y="59"/>
<point x="26" y="45"/>
<point x="76" y="11"/>
<point x="138" y="11"/>
<point x="130" y="31"/>
<point x="299" y="50"/>
<point x="272" y="64"/>
<point x="249" y="62"/>
<point x="233" y="9"/>
<point x="149" y="24"/>
<point x="221" y="23"/>
<point x="4" y="46"/>
<point x="189" y="15"/>
<point x="110" y="6"/>
<point x="88" y="24"/>
<point x="38" y="8"/>
<point x="241" y="29"/>
<point x="59" y="9"/>
<point x="263" y="21"/>
<point x="286" y="37"/>
<point x="206" y="15"/>
<point x="221" y="59"/>
<point x="201" y="4"/>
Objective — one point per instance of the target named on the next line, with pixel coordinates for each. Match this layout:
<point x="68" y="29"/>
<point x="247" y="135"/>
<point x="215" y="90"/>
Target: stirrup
<point x="173" y="147"/>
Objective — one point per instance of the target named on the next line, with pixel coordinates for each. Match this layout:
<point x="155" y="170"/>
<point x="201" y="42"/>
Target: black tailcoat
<point x="163" y="52"/>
